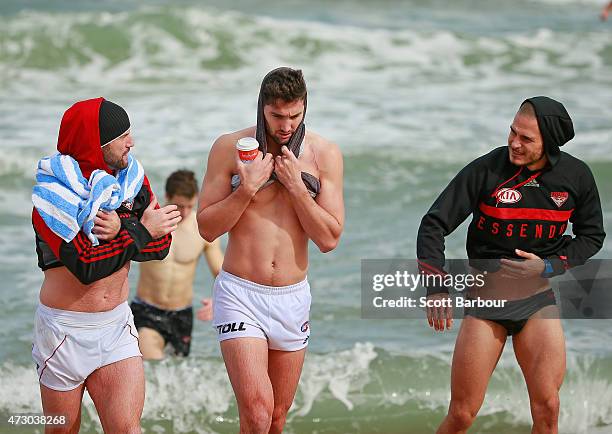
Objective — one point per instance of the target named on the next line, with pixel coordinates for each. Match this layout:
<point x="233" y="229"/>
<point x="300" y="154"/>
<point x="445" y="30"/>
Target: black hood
<point x="555" y="125"/>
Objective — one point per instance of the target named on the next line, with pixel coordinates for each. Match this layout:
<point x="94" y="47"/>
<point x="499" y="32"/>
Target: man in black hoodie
<point x="521" y="198"/>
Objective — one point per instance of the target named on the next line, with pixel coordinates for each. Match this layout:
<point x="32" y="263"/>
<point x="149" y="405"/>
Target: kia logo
<point x="508" y="195"/>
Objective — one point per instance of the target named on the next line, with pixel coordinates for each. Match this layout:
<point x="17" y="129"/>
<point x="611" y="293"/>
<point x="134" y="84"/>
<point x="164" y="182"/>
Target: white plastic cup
<point x="248" y="148"/>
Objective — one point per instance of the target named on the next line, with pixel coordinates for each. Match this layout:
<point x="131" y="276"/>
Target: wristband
<point x="548" y="269"/>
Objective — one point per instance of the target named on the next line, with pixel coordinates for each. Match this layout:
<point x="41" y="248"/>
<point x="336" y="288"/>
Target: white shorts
<point x="279" y="314"/>
<point x="68" y="346"/>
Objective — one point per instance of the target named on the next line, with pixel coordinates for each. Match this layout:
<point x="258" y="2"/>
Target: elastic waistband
<point x="139" y="300"/>
<point x="263" y="289"/>
<point x="85" y="319"/>
<point x="547" y="294"/>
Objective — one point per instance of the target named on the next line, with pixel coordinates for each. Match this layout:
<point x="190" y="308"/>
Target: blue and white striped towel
<point x="68" y="202"/>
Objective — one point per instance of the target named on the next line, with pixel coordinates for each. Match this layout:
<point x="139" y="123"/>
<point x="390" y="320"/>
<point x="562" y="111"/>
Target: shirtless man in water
<point x="162" y="308"/>
<point x="290" y="193"/>
<point x="84" y="335"/>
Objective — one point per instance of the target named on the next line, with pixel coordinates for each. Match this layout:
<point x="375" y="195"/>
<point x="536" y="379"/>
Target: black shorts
<point x="174" y="326"/>
<point x="515" y="314"/>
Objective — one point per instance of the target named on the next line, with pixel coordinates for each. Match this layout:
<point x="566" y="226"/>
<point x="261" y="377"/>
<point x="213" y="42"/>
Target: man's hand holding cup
<point x="253" y="167"/>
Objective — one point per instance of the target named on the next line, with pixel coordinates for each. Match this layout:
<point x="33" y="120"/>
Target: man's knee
<point x="279" y="414"/>
<point x="256" y="415"/>
<point x="131" y="429"/>
<point x="151" y="352"/>
<point x="67" y="429"/>
<point x="546" y="410"/>
<point x="461" y="416"/>
<point x="124" y="427"/>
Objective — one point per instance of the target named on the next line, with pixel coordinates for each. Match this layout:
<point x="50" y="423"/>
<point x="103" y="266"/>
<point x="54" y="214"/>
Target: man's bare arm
<point x="323" y="218"/>
<point x="214" y="256"/>
<point x="219" y="208"/>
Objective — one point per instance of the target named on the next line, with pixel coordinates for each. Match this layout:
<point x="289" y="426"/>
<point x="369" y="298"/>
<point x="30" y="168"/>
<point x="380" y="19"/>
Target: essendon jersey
<point x="515" y="208"/>
<point x="79" y="137"/>
<point x="90" y="263"/>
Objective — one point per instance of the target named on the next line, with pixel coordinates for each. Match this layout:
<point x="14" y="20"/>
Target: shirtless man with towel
<point x="290" y="193"/>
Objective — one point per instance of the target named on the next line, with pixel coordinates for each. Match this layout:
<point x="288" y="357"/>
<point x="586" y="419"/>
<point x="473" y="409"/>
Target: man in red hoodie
<point x="84" y="333"/>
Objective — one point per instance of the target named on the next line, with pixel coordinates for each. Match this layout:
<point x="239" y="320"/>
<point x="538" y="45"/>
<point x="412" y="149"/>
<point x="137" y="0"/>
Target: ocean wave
<point x="186" y="75"/>
<point x="572" y="2"/>
<point x="169" y="44"/>
<point x="195" y="395"/>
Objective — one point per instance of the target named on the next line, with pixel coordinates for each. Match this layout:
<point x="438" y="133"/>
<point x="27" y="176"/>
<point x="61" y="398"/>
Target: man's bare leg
<point x="68" y="404"/>
<point x="284" y="369"/>
<point x="540" y="351"/>
<point x="246" y="361"/>
<point x="151" y="343"/>
<point x="117" y="391"/>
<point x="478" y="348"/>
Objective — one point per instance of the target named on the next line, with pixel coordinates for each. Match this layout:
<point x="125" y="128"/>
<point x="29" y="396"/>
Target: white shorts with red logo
<point x="279" y="314"/>
<point x="68" y="346"/>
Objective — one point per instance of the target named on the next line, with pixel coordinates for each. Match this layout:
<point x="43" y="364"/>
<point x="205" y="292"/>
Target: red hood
<point x="79" y="136"/>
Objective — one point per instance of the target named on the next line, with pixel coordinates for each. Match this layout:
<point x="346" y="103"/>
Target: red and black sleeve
<point x="450" y="209"/>
<point x="90" y="263"/>
<point x="152" y="249"/>
<point x="87" y="262"/>
<point x="587" y="226"/>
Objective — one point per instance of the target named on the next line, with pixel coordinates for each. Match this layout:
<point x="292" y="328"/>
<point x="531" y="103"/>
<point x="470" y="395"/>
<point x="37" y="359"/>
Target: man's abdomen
<point x="62" y="290"/>
<point x="268" y="244"/>
<point x="166" y="284"/>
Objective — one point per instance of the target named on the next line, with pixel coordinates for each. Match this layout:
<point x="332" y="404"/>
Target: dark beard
<point x="114" y="163"/>
<point x="274" y="138"/>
